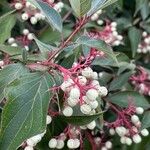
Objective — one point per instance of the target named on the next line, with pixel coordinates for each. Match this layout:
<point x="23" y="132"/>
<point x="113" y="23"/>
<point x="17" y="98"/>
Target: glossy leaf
<point x="7" y="22"/>
<point x="80" y="7"/>
<point x="24" y="115"/>
<point x="146" y="120"/>
<point x="9" y="74"/>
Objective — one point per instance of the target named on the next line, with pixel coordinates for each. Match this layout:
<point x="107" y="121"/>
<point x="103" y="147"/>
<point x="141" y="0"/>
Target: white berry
<point x="48" y="119"/>
<point x="85" y="109"/>
<point x="30" y="36"/>
<point x="52" y="143"/>
<point x="139" y="110"/>
<point x="75" y="93"/>
<point x="68" y="111"/>
<point x="108" y="145"/>
<point x="145" y="132"/>
<point x="70" y="143"/>
<point x="18" y="6"/>
<point x="60" y="144"/>
<point x="25" y="32"/>
<point x="136" y="138"/>
<point x="134" y="119"/>
<point x="28" y="148"/>
<point x="92" y="94"/>
<point x="91" y="125"/>
<point x="11" y="40"/>
<point x="25" y="16"/>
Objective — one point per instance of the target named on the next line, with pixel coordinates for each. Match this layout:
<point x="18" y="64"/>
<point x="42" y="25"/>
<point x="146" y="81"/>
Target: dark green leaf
<point x="7" y="22"/>
<point x="25" y="113"/>
<point x="123" y="99"/>
<point x="146" y="120"/>
<point x="9" y="74"/>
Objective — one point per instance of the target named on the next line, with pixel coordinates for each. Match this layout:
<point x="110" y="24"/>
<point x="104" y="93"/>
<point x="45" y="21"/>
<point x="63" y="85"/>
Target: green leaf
<point x="24" y="115"/>
<point x="7" y="22"/>
<point x="10" y="50"/>
<point x="135" y="38"/>
<point x="146" y="120"/>
<point x="98" y="44"/>
<point x="42" y="46"/>
<point x="9" y="74"/>
<point x="53" y="17"/>
<point x="124" y="98"/>
<point x="120" y="81"/>
<point x="80" y="120"/>
<point x="80" y="7"/>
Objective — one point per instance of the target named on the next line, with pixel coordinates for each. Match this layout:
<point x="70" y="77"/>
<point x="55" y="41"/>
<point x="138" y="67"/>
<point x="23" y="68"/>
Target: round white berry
<point x="108" y="145"/>
<point x="123" y="140"/>
<point x="18" y="6"/>
<point x="113" y="24"/>
<point x="119" y="37"/>
<point x="52" y="143"/>
<point x="1" y="63"/>
<point x="68" y="111"/>
<point x="28" y="4"/>
<point x="25" y="32"/>
<point x="121" y="131"/>
<point x="11" y="40"/>
<point x="60" y="144"/>
<point x="102" y="91"/>
<point x="136" y="138"/>
<point x="70" y="143"/>
<point x="28" y="148"/>
<point x="144" y="34"/>
<point x="112" y="131"/>
<point x="38" y="16"/>
<point x="60" y="4"/>
<point x="48" y="119"/>
<point x="94" y="75"/>
<point x="76" y="143"/>
<point x="115" y="33"/>
<point x="145" y="132"/>
<point x="82" y="80"/>
<point x="72" y="102"/>
<point x="128" y="141"/>
<point x="100" y="22"/>
<point x="33" y="20"/>
<point x="75" y="93"/>
<point x="134" y="119"/>
<point x="99" y="12"/>
<point x="116" y="43"/>
<point x="87" y="72"/>
<point x="103" y="148"/>
<point x="25" y="16"/>
<point x="30" y="142"/>
<point x="139" y="110"/>
<point x="85" y="109"/>
<point x="14" y="45"/>
<point x="93" y="104"/>
<point x="92" y="94"/>
<point x="94" y="17"/>
<point x="30" y="36"/>
<point x="91" y="125"/>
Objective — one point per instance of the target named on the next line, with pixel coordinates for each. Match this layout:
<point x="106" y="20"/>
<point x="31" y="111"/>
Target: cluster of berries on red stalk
<point x="144" y="46"/>
<point x="141" y="81"/>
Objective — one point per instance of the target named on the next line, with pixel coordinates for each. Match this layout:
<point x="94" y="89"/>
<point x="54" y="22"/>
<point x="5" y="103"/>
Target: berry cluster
<point x="23" y="40"/>
<point x="128" y="125"/>
<point x="144" y="46"/>
<point x="141" y="81"/>
<point x="109" y="34"/>
<point x="31" y="142"/>
<point x="71" y="135"/>
<point x="30" y="12"/>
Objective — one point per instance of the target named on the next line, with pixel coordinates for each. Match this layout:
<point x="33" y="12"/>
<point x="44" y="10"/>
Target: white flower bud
<point x="123" y="140"/>
<point x="91" y="125"/>
<point x="52" y="143"/>
<point x="112" y="131"/>
<point x="60" y="144"/>
<point x="128" y="141"/>
<point x="114" y="24"/>
<point x="144" y="34"/>
<point x="116" y="43"/>
<point x="68" y="111"/>
<point x="14" y="45"/>
<point x="76" y="143"/>
<point x="121" y="131"/>
<point x="146" y="40"/>
<point x="72" y="102"/>
<point x="102" y="91"/>
<point x="145" y="132"/>
<point x="92" y="94"/>
<point x="94" y="17"/>
<point x="134" y="119"/>
<point x="60" y="4"/>
<point x="18" y="6"/>
<point x="108" y="145"/>
<point x="87" y="72"/>
<point x="11" y="40"/>
<point x="75" y="93"/>
<point x="28" y="148"/>
<point x="99" y="12"/>
<point x="100" y="22"/>
<point x="113" y="29"/>
<point x="115" y="33"/>
<point x="25" y="16"/>
<point x="136" y="138"/>
<point x="70" y="143"/>
<point x="48" y="119"/>
<point x="82" y="80"/>
<point x="139" y="110"/>
<point x="25" y="32"/>
<point x="33" y="20"/>
<point x="30" y="142"/>
<point x="85" y="109"/>
<point x="30" y="36"/>
<point x="119" y="37"/>
<point x="94" y="75"/>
